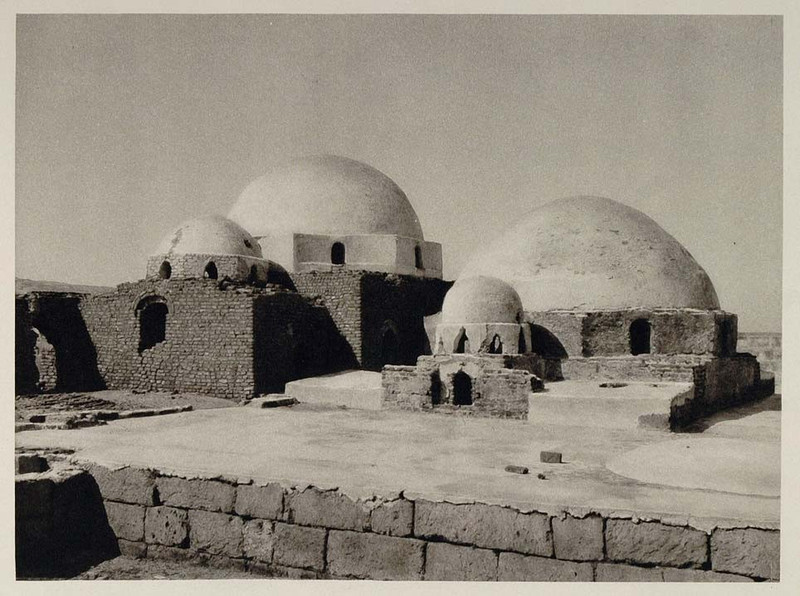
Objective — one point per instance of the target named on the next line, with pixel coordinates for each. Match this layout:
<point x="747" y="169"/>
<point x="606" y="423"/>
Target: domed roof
<point x="211" y="234"/>
<point x="328" y="195"/>
<point x="481" y="299"/>
<point x="592" y="253"/>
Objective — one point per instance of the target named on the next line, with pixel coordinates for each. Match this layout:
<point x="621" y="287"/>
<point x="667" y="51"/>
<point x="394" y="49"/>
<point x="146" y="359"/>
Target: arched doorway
<point x="640" y="337"/>
<point x="544" y="343"/>
<point x="462" y="389"/>
<point x="496" y="347"/>
<point x="337" y="253"/>
<point x="418" y="257"/>
<point x="462" y="343"/>
<point x="152" y="322"/>
<point x="390" y="345"/>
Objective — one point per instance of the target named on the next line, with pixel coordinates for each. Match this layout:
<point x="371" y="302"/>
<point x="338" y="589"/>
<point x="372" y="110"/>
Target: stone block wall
<point x="767" y="348"/>
<point x="497" y="391"/>
<point x="209" y="338"/>
<point x="60" y="523"/>
<point x="311" y="533"/>
<point x="25" y="371"/>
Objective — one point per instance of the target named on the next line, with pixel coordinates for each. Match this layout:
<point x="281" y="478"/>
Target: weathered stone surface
<point x="33" y="497"/>
<point x="166" y="526"/>
<point x="448" y="562"/>
<point x="127" y="485"/>
<point x="26" y="463"/>
<point x="172" y="553"/>
<point x="655" y="543"/>
<point x="215" y="533"/>
<point x="577" y="539"/>
<point x="698" y="575"/>
<point x="258" y="540"/>
<point x="126" y="521"/>
<point x="210" y="495"/>
<point x="485" y="526"/>
<point x="514" y="567"/>
<point x="265" y="502"/>
<point x="132" y="550"/>
<point x="371" y="556"/>
<point x="329" y="509"/>
<point x="298" y="546"/>
<point x="610" y="572"/>
<point x="395" y="518"/>
<point x="747" y="551"/>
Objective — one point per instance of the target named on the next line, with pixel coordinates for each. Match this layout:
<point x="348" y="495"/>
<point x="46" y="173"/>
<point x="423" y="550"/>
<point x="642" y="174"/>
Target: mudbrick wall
<point x="54" y="350"/>
<point x="767" y="348"/>
<point x="606" y="333"/>
<point x="361" y="304"/>
<point x="305" y="532"/>
<point x="208" y="344"/>
<point x="500" y="385"/>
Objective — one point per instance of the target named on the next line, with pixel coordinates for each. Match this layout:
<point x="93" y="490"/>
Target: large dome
<point x="592" y="253"/>
<point x="481" y="299"/>
<point x="328" y="195"/>
<point x="212" y="234"/>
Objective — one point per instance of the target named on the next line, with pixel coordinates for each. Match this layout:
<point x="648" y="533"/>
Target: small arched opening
<point x="152" y="322"/>
<point x="390" y="345"/>
<point x="210" y="272"/>
<point x="462" y="343"/>
<point x="522" y="347"/>
<point x="462" y="389"/>
<point x="165" y="271"/>
<point x="640" y="337"/>
<point x="252" y="276"/>
<point x="337" y="253"/>
<point x="418" y="257"/>
<point x="496" y="347"/>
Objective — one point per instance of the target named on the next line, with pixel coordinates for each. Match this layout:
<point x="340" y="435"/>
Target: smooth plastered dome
<point x="592" y="253"/>
<point x="481" y="299"/>
<point x="212" y="234"/>
<point x="328" y="195"/>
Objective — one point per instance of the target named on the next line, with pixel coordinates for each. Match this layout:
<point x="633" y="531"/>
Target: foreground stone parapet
<point x="307" y="532"/>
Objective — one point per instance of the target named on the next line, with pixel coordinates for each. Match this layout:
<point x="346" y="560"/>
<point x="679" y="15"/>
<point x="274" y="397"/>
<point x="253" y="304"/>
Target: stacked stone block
<point x="313" y="533"/>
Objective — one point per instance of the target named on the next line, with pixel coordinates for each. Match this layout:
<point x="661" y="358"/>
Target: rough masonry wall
<point x="497" y="391"/>
<point x="305" y="532"/>
<point x="767" y="348"/>
<point x="339" y="291"/>
<point x="26" y="374"/>
<point x="566" y="327"/>
<point x="404" y="301"/>
<point x="209" y="338"/>
<point x="293" y="339"/>
<point x="54" y="349"/>
<point x="360" y="304"/>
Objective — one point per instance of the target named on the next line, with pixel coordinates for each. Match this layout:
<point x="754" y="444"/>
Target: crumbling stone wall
<point x="497" y="390"/>
<point x="306" y="532"/>
<point x="54" y="349"/>
<point x="673" y="331"/>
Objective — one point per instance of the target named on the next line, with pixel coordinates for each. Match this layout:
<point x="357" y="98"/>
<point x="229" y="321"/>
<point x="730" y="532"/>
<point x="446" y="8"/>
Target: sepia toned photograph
<point x="398" y="297"/>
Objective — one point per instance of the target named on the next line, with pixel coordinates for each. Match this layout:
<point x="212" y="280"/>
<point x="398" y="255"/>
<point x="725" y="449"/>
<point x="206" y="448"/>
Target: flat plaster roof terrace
<point x="732" y="474"/>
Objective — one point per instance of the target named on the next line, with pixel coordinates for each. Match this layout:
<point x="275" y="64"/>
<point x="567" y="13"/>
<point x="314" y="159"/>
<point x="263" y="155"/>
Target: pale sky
<point x="128" y="125"/>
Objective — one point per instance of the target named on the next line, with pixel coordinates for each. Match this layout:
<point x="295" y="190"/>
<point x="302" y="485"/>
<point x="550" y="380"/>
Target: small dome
<point x="212" y="234"/>
<point x="592" y="253"/>
<point x="328" y="195"/>
<point x="481" y="299"/>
